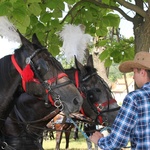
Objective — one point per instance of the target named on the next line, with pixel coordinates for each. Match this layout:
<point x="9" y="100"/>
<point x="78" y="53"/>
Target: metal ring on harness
<point x="4" y="145"/>
<point x="58" y="103"/>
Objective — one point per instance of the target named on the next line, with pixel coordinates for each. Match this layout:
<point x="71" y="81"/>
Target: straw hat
<point x="141" y="61"/>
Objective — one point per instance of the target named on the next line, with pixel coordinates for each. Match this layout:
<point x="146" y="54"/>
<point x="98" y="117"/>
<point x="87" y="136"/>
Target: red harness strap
<point x="59" y="76"/>
<point x="50" y="81"/>
<point x="77" y="85"/>
<point x="103" y="105"/>
<point x="76" y="76"/>
<point x="26" y="74"/>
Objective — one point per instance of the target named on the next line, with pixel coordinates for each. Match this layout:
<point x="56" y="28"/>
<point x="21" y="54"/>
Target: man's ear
<point x="143" y="72"/>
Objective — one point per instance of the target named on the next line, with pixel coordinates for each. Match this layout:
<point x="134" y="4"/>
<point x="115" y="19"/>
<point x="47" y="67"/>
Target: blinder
<point x="42" y="67"/>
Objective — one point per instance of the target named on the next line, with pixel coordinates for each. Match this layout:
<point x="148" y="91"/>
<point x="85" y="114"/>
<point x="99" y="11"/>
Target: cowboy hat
<point x="141" y="61"/>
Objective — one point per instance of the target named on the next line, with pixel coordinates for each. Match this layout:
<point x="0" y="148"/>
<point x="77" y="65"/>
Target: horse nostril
<point x="75" y="101"/>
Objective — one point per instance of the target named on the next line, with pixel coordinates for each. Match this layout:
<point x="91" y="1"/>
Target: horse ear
<point x="90" y="61"/>
<point x="79" y="66"/>
<point x="24" y="41"/>
<point x="35" y="40"/>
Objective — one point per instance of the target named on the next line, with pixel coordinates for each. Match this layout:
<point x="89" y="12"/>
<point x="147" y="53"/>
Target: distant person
<point x="133" y="120"/>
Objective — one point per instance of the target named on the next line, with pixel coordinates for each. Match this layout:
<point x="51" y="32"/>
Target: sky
<point x="126" y="28"/>
<point x="7" y="47"/>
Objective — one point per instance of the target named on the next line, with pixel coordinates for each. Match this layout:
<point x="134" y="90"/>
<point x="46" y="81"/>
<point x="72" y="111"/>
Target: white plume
<point x="7" y="30"/>
<point x="74" y="42"/>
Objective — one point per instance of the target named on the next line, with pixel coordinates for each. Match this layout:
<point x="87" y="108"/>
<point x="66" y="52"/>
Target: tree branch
<point x="100" y="4"/>
<point x="133" y="7"/>
<point x="71" y="10"/>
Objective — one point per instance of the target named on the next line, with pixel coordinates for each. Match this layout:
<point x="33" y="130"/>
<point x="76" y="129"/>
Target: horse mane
<point x="90" y="69"/>
<point x="5" y="73"/>
<point x="56" y="63"/>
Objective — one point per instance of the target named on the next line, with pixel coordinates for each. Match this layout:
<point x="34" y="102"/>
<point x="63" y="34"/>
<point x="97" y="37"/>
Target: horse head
<point x="40" y="74"/>
<point x="50" y="74"/>
<point x="98" y="103"/>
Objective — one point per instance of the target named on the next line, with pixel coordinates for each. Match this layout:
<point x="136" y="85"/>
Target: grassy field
<point x="79" y="144"/>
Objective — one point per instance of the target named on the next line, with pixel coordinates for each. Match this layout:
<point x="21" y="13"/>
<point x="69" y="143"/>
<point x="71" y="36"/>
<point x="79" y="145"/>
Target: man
<point x="133" y="120"/>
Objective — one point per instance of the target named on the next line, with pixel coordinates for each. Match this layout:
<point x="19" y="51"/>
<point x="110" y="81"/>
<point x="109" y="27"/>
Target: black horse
<point x="34" y="70"/>
<point x="98" y="104"/>
<point x="96" y="93"/>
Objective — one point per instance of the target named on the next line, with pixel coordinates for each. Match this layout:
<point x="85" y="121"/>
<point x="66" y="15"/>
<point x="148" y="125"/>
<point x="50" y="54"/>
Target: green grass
<point x="79" y="144"/>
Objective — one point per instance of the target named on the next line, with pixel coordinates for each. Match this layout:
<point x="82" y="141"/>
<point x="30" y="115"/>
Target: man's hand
<point x="95" y="137"/>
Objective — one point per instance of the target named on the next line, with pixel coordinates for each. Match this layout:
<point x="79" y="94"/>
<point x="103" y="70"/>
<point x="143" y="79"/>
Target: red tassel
<point x="27" y="73"/>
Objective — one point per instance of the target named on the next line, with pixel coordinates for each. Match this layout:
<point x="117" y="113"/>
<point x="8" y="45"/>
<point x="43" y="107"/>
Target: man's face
<point x="138" y="77"/>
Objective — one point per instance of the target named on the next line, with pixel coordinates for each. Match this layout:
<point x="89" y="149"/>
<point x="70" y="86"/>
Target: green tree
<point x="117" y="50"/>
<point x="114" y="73"/>
<point x="44" y="18"/>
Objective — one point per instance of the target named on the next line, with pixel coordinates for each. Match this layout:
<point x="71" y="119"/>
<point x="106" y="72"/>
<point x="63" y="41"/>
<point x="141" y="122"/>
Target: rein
<point x="46" y="118"/>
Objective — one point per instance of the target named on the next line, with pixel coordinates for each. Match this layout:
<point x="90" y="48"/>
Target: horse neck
<point x="29" y="109"/>
<point x="9" y="84"/>
<point x="8" y="72"/>
<point x="27" y="104"/>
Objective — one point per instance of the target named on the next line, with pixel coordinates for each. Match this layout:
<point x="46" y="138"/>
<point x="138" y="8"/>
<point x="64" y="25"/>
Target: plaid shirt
<point x="132" y="123"/>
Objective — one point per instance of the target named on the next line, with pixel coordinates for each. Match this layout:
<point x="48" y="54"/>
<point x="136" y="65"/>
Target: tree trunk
<point x="142" y="33"/>
<point x="99" y="65"/>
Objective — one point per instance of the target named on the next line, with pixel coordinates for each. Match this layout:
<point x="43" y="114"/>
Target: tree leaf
<point x="103" y="55"/>
<point x="32" y="1"/>
<point x="111" y="20"/>
<point x="35" y="9"/>
<point x="108" y="62"/>
<point x="102" y="31"/>
<point x="23" y="20"/>
<point x="5" y="8"/>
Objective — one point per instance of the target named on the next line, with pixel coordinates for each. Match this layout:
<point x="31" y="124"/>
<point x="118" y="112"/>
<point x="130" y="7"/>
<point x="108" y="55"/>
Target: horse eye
<point x="38" y="68"/>
<point x="42" y="66"/>
<point x="91" y="96"/>
<point x="97" y="90"/>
